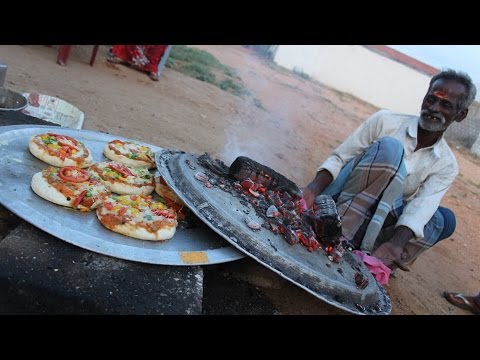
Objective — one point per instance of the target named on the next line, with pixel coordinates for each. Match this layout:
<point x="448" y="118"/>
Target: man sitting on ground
<point x="389" y="176"/>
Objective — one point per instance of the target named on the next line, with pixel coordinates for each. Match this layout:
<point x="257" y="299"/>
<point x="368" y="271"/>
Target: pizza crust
<point x="138" y="217"/>
<point x="83" y="196"/>
<point x="166" y="192"/>
<point x="131" y="185"/>
<point x="41" y="154"/>
<point x="109" y="153"/>
<point x="141" y="233"/>
<point x="42" y="188"/>
<point x="126" y="189"/>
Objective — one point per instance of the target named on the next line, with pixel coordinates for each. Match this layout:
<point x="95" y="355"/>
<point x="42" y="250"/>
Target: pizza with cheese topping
<point x="139" y="217"/>
<point x="69" y="186"/>
<point x="122" y="179"/>
<point x="130" y="154"/>
<point x="169" y="197"/>
<point x="60" y="150"/>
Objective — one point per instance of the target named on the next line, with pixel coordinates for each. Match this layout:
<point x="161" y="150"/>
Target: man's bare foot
<point x="153" y="76"/>
<point x="392" y="255"/>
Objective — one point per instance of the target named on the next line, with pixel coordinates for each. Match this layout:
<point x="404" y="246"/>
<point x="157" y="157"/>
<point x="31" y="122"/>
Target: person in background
<point x="470" y="303"/>
<point x="389" y="176"/>
<point x="142" y="57"/>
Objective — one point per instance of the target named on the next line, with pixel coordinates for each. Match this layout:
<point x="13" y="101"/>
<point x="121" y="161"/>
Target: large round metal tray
<point x="312" y="271"/>
<point x="195" y="246"/>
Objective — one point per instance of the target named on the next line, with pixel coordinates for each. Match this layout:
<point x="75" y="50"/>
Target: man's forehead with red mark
<point x="441" y="94"/>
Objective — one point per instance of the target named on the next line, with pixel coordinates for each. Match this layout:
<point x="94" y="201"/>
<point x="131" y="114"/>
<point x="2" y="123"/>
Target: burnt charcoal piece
<point x="245" y="168"/>
<point x="360" y="281"/>
<point x="326" y="221"/>
<point x="285" y="197"/>
<point x="214" y="165"/>
<point x="291" y="236"/>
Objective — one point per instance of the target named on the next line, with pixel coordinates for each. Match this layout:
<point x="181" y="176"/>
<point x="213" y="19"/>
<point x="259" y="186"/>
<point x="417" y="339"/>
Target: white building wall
<point x="360" y="72"/>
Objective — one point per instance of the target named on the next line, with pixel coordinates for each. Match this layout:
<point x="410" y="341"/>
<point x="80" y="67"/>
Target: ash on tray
<point x="276" y="200"/>
<point x="227" y="205"/>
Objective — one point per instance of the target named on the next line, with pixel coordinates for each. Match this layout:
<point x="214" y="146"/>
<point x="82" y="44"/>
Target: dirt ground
<point x="287" y="122"/>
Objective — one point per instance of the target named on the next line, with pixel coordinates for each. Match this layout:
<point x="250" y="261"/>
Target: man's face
<point x="440" y="105"/>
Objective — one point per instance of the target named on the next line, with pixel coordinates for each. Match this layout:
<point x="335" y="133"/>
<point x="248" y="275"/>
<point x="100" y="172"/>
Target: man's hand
<point x="308" y="196"/>
<point x="315" y="188"/>
<point x="392" y="253"/>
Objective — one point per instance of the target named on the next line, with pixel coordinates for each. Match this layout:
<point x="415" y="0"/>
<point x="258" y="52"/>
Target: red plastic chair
<point x="64" y="53"/>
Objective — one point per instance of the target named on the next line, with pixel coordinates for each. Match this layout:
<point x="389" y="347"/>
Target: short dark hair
<point x="462" y="78"/>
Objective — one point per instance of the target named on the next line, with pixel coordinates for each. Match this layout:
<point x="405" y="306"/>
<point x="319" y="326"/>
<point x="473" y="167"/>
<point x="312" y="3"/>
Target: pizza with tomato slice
<point x="69" y="186"/>
<point x="168" y="196"/>
<point x="60" y="150"/>
<point x="139" y="217"/>
<point x="130" y="154"/>
<point x="122" y="179"/>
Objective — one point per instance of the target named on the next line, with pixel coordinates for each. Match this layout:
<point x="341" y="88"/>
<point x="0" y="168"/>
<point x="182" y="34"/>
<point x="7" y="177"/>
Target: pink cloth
<point x="379" y="270"/>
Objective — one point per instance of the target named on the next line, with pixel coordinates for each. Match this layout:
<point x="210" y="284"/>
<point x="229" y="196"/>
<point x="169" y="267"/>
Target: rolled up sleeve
<point x="420" y="208"/>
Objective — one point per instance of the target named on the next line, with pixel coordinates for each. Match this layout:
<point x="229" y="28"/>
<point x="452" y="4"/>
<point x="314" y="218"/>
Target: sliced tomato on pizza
<point x="139" y="217"/>
<point x="60" y="150"/>
<point x="169" y="197"/>
<point x="130" y="154"/>
<point x="69" y="186"/>
<point x="122" y="179"/>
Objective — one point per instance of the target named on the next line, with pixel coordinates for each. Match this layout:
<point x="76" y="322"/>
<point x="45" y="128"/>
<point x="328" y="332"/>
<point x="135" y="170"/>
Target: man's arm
<point x="357" y="142"/>
<point x="419" y="209"/>
<point x="416" y="213"/>
<point x="312" y="190"/>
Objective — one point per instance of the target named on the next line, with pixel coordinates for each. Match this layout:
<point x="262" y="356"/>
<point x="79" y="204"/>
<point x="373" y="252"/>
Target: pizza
<point x="130" y="154"/>
<point x="60" y="150"/>
<point x="69" y="186"/>
<point x="168" y="196"/>
<point x="139" y="217"/>
<point x="122" y="179"/>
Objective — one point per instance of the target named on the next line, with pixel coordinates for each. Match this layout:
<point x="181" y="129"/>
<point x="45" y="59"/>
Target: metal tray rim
<point x="387" y="306"/>
<point x="127" y="249"/>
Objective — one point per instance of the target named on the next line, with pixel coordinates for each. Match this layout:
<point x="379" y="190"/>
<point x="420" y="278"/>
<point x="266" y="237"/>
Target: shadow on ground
<point x="226" y="295"/>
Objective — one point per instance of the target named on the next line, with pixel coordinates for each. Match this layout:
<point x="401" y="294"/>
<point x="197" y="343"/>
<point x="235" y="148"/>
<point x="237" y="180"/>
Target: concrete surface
<point x="40" y="274"/>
